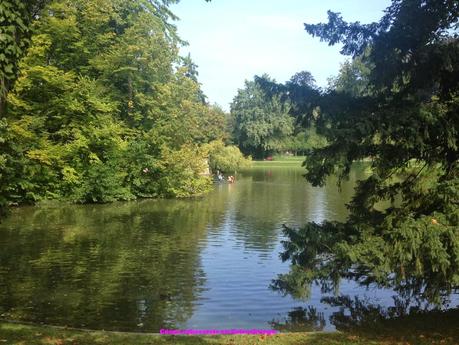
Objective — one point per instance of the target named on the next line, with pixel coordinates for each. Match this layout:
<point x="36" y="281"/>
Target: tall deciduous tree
<point x="262" y="120"/>
<point x="104" y="108"/>
<point x="406" y="121"/>
<point x="16" y="18"/>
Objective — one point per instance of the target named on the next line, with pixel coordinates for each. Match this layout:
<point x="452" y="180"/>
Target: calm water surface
<point x="141" y="266"/>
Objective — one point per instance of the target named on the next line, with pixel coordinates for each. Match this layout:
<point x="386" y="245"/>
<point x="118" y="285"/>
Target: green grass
<point x="283" y="158"/>
<point x="275" y="164"/>
<point x="280" y="161"/>
<point x="20" y="334"/>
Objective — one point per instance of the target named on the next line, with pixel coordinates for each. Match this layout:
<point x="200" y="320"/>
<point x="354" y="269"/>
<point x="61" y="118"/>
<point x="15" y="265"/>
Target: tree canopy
<point x="261" y="120"/>
<point x="101" y="106"/>
<point x="16" y="17"/>
<point x="396" y="105"/>
<point x="268" y="116"/>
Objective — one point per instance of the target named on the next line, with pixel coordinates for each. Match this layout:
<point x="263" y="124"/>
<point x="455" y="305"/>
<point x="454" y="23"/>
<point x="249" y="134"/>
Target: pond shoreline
<point x="278" y="162"/>
<point x="22" y="333"/>
<point x="89" y="330"/>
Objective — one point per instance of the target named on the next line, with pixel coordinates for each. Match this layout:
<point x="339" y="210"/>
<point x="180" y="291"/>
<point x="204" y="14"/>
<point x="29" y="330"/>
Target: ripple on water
<point x="201" y="263"/>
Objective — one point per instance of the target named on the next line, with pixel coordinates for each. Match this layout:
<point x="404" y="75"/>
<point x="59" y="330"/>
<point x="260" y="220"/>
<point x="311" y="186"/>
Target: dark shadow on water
<point x="301" y="320"/>
<point x="356" y="314"/>
<point x="403" y="321"/>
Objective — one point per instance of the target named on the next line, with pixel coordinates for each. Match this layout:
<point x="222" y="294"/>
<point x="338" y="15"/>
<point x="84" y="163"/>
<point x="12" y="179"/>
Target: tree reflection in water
<point x="301" y="320"/>
<point x="359" y="315"/>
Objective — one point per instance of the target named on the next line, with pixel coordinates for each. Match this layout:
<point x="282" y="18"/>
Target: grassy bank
<point x="284" y="158"/>
<point x="39" y="335"/>
<point x="280" y="161"/>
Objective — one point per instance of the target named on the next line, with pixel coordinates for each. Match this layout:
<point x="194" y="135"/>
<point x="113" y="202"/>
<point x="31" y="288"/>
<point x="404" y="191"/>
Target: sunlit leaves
<point x="103" y="108"/>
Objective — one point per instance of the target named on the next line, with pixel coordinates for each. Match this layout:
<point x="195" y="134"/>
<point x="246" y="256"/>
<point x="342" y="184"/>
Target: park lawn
<point x="285" y="158"/>
<point x="271" y="164"/>
<point x="281" y="161"/>
<point x="21" y="334"/>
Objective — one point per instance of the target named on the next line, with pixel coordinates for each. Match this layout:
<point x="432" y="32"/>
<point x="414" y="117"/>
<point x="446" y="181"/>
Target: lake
<point x="202" y="263"/>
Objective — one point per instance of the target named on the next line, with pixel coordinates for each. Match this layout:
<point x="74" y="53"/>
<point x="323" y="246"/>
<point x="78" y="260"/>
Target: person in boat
<point x="219" y="176"/>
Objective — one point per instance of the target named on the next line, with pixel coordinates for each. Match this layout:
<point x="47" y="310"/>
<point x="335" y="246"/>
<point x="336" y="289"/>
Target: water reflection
<point x="404" y="315"/>
<point x="123" y="266"/>
<point x="198" y="263"/>
<point x="301" y="320"/>
<point x="364" y="315"/>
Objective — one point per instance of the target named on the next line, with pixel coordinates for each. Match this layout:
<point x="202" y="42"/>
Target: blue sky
<point x="233" y="40"/>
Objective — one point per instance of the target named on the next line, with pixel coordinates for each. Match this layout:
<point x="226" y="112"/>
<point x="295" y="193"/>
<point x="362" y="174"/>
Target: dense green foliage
<point x="397" y="103"/>
<point x="262" y="122"/>
<point x="16" y="18"/>
<point x="103" y="107"/>
<point x="226" y="158"/>
<point x="268" y="116"/>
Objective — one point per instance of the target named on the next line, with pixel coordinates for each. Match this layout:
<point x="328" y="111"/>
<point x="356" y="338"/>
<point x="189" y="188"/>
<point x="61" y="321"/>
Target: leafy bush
<point x="226" y="158"/>
<point x="181" y="173"/>
<point x="102" y="183"/>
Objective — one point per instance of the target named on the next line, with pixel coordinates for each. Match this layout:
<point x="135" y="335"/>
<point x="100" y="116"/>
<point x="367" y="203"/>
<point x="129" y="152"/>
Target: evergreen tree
<point x="403" y="227"/>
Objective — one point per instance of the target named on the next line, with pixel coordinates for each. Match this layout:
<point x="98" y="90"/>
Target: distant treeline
<point x="268" y="117"/>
